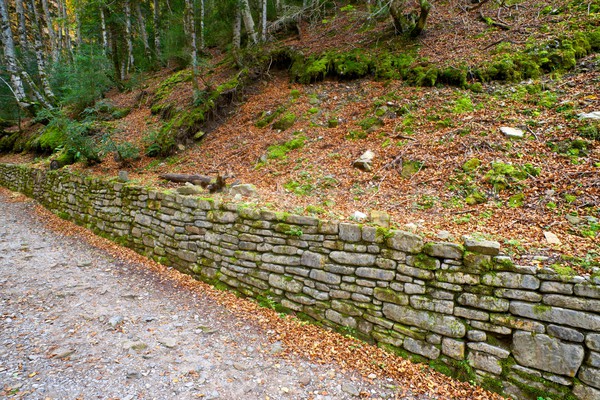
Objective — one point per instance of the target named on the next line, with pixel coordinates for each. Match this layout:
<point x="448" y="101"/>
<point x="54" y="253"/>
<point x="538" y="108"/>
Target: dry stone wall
<point x="465" y="309"/>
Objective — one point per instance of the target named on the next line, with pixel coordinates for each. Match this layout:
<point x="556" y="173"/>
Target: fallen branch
<point x="200" y="180"/>
<point x="493" y="22"/>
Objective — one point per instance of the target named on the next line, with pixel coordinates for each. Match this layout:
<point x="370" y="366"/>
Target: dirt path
<point x="77" y="323"/>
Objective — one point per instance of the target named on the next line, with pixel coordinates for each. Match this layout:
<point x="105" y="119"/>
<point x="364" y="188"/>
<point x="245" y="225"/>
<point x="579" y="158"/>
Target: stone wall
<point x="464" y="309"/>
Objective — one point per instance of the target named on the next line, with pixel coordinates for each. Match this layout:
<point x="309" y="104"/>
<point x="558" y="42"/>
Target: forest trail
<point x="78" y="323"/>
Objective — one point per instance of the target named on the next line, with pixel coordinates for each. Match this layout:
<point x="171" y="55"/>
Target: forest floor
<point x="84" y="318"/>
<point x="442" y="165"/>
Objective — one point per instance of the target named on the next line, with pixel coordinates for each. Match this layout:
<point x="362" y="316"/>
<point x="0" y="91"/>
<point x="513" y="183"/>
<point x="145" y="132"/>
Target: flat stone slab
<point x="547" y="354"/>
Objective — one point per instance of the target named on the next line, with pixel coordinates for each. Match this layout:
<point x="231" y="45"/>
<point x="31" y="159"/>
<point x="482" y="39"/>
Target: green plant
<point x="280" y="151"/>
<point x="125" y="152"/>
<point x="159" y="143"/>
<point x="301" y="189"/>
<point x="463" y="105"/>
<point x="285" y="122"/>
<point x="294" y="231"/>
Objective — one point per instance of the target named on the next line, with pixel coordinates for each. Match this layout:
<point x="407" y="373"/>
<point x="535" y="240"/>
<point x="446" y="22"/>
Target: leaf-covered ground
<point x="442" y="166"/>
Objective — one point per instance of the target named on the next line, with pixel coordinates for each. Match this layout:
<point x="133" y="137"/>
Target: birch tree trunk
<point x="263" y="23"/>
<point x="142" y="26"/>
<point x="11" y="59"/>
<point x="202" y="12"/>
<point x="51" y="31"/>
<point x="39" y="50"/>
<point x="21" y="29"/>
<point x="78" y="30"/>
<point x="237" y="29"/>
<point x="105" y="46"/>
<point x="248" y="21"/>
<point x="157" y="30"/>
<point x="189" y="15"/>
<point x="59" y="29"/>
<point x="130" y="60"/>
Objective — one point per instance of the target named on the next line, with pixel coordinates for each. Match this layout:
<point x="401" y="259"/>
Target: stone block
<point x="488" y="348"/>
<point x="590" y="375"/>
<point x="280" y="259"/>
<point x="362" y="260"/>
<point x="483" y="302"/>
<point x="516" y="294"/>
<point x="577" y="319"/>
<point x="346" y="308"/>
<point x="460" y="278"/>
<point x="340" y="319"/>
<point x="565" y="333"/>
<point x="585" y="392"/>
<point x="375" y="273"/>
<point x="390" y="296"/>
<point x="486" y="326"/>
<point x="312" y="260"/>
<point x="444" y="250"/>
<point x="469" y="313"/>
<point x="485" y="362"/>
<point x="593" y="359"/>
<point x="405" y="241"/>
<point x="556" y="287"/>
<point x="486" y="247"/>
<point x="587" y="290"/>
<point x="477" y="336"/>
<point x="546" y="353"/>
<point x="425" y="303"/>
<point x="422" y="348"/>
<point x="326" y="277"/>
<point x="350" y="232"/>
<point x="443" y="324"/>
<point x="453" y="348"/>
<point x="574" y="303"/>
<point x="511" y="280"/>
<point x="415" y="272"/>
<point x="592" y="341"/>
<point x="411" y="288"/>
<point x="517" y="323"/>
<point x="285" y="283"/>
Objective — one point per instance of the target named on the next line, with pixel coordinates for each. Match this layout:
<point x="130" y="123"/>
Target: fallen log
<point x="200" y="180"/>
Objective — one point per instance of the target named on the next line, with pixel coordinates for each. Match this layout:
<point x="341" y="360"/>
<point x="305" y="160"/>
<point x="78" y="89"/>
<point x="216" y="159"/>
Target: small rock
<point x="551" y="238"/>
<point x="63" y="353"/>
<point x="116" y="320"/>
<point x="246" y="190"/>
<point x="149" y="318"/>
<point x="188" y="190"/>
<point x="365" y="162"/>
<point x="590" y="115"/>
<point x="123" y="176"/>
<point x="276" y="348"/>
<point x="372" y="376"/>
<point x="181" y="147"/>
<point x="133" y="375"/>
<point x="239" y="366"/>
<point x="285" y="390"/>
<point x="443" y="235"/>
<point x="304" y="380"/>
<point x="512" y="132"/>
<point x="358" y="216"/>
<point x="380" y="218"/>
<point x="350" y="389"/>
<point x="411" y="226"/>
<point x="573" y="220"/>
<point x="168" y="342"/>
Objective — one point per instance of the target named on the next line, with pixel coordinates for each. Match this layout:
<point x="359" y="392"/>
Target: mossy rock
<point x="476" y="198"/>
<point x="471" y="165"/>
<point x="285" y="122"/>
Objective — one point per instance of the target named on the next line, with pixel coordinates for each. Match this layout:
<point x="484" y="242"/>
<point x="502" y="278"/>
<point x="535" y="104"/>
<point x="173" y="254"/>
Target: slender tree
<point x="248" y="21"/>
<point x="142" y="28"/>
<point x="105" y="44"/>
<point x="51" y="32"/>
<point x="39" y="50"/>
<point x="156" y="20"/>
<point x="263" y="21"/>
<point x="128" y="39"/>
<point x="237" y="29"/>
<point x="10" y="58"/>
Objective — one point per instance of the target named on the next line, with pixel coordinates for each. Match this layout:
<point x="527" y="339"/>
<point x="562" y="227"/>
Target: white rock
<point x="365" y="161"/>
<point x="591" y="115"/>
<point x="358" y="216"/>
<point x="512" y="132"/>
<point x="551" y="238"/>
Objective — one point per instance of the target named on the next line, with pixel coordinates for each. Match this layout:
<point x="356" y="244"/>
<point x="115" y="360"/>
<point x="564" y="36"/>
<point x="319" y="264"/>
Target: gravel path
<point x="77" y="323"/>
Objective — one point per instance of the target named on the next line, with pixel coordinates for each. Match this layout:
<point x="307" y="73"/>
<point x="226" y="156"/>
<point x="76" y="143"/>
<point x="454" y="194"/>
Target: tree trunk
<point x="11" y="59"/>
<point x="425" y="8"/>
<point x="142" y="26"/>
<point x="202" y="12"/>
<point x="263" y="24"/>
<point x="157" y="30"/>
<point x="39" y="51"/>
<point x="248" y="21"/>
<point x="68" y="46"/>
<point x="78" y="30"/>
<point x="21" y="29"/>
<point x="51" y="31"/>
<point x="105" y="45"/>
<point x="237" y="29"/>
<point x="189" y="16"/>
<point x="129" y="42"/>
